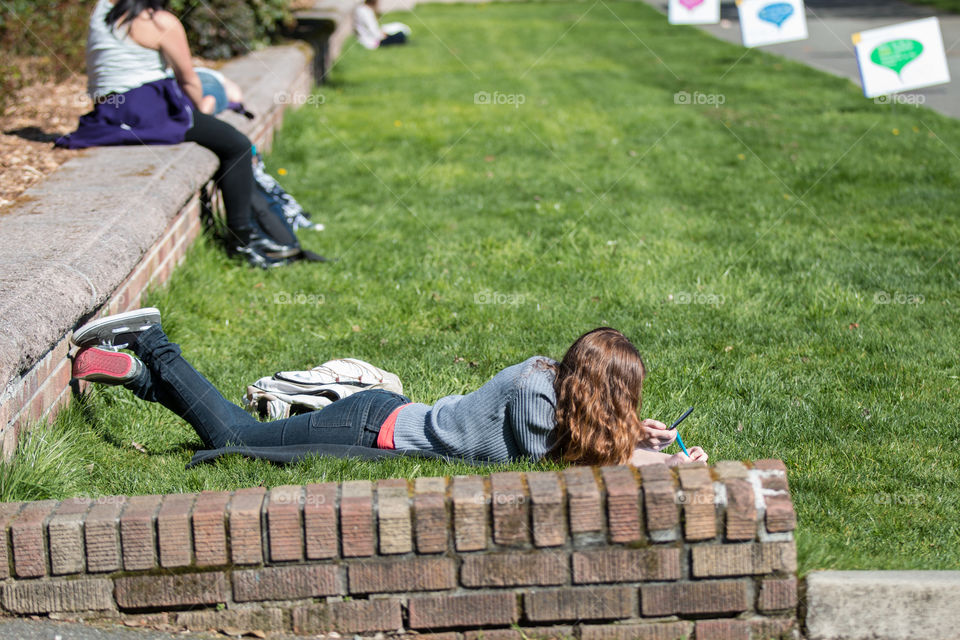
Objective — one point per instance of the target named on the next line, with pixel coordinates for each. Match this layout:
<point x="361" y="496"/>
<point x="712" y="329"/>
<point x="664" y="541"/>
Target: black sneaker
<point x="271" y="248"/>
<point x="255" y="257"/>
<point x="117" y="331"/>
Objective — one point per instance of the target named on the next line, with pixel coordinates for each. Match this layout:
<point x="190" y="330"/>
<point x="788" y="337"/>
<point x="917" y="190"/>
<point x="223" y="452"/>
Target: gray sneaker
<point x="116" y="331"/>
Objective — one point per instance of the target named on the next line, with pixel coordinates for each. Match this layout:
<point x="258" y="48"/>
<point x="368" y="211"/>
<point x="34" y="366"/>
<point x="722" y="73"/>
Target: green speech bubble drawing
<point x="896" y="54"/>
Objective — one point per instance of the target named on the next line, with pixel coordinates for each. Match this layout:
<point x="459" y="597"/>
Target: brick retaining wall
<point x="592" y="553"/>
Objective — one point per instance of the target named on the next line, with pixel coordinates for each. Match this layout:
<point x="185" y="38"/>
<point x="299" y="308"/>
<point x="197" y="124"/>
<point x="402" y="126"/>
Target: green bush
<point x="225" y="28"/>
<point x="41" y="40"/>
<point x="46" y="39"/>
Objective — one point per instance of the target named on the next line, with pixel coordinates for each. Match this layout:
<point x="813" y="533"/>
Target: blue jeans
<point x="170" y="380"/>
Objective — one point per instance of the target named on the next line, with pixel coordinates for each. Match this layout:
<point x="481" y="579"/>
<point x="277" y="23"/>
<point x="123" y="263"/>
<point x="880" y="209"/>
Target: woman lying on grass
<point x="581" y="410"/>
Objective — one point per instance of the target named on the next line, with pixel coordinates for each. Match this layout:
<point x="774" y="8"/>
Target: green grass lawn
<point x="787" y="262"/>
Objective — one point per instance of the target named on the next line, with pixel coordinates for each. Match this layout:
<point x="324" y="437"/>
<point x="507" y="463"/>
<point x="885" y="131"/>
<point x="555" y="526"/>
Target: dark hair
<point x="598" y="387"/>
<point x="127" y="10"/>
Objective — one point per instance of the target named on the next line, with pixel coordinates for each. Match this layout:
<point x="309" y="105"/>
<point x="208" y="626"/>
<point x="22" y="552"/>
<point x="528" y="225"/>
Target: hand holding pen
<point x="695" y="454"/>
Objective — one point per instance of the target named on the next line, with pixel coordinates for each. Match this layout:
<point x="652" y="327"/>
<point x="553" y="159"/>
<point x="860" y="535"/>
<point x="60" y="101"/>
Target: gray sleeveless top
<point x="115" y="63"/>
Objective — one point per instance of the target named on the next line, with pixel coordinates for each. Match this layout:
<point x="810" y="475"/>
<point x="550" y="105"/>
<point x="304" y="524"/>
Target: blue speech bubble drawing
<point x="776" y="13"/>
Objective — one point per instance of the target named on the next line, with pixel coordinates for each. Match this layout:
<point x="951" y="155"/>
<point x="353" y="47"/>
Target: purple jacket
<point x="153" y="113"/>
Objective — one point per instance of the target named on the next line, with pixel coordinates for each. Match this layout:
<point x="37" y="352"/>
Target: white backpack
<point x="274" y="397"/>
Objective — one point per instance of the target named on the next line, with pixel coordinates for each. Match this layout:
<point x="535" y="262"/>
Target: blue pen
<point x="674" y="426"/>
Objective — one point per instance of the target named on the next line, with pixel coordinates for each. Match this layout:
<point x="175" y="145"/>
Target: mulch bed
<point x="37" y="115"/>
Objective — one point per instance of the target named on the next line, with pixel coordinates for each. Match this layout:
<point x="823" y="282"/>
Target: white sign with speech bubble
<point x="764" y="22"/>
<point x="901" y="57"/>
<point x="693" y="11"/>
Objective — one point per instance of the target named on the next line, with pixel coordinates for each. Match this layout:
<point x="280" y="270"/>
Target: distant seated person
<point x="371" y="33"/>
<point x="219" y="93"/>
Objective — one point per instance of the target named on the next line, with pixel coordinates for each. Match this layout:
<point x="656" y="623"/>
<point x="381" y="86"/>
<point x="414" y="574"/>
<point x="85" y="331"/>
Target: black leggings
<point x="234" y="178"/>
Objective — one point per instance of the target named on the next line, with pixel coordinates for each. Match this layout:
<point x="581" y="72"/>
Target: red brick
<point x="414" y="574"/>
<point x="65" y="535"/>
<point x="246" y="541"/>
<point x="623" y="504"/>
<point x="287" y="583"/>
<point x="699" y="508"/>
<point x="780" y="515"/>
<point x="320" y="521"/>
<point x="356" y="519"/>
<point x="649" y="631"/>
<point x="741" y="511"/>
<point x="659" y="498"/>
<point x="510" y="509"/>
<point x="583" y="501"/>
<point x="431" y="522"/>
<point x="261" y="619"/>
<point x="8" y="512"/>
<point x="655" y="473"/>
<point x="468" y="610"/>
<point x="626" y="565"/>
<point x="148" y="592"/>
<point x="395" y="530"/>
<point x="709" y="561"/>
<point x="726" y="470"/>
<point x="356" y="616"/>
<point x="688" y="598"/>
<point x="8" y="429"/>
<point x="51" y="389"/>
<point x="561" y="632"/>
<point x="712" y="560"/>
<point x="174" y="530"/>
<point x="469" y="513"/>
<point x="723" y="630"/>
<point x="775" y="481"/>
<point x="137" y="532"/>
<point x="777" y="594"/>
<point x="27" y="535"/>
<point x="49" y="596"/>
<point x="101" y="534"/>
<point x="285" y="526"/>
<point x="773" y="628"/>
<point x="210" y="529"/>
<point x="514" y="569"/>
<point x="548" y="508"/>
<point x="769" y="464"/>
<point x="591" y="603"/>
<point x="777" y="557"/>
<point x="444" y="635"/>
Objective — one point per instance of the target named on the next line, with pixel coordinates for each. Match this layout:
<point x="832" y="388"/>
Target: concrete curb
<point x="894" y="605"/>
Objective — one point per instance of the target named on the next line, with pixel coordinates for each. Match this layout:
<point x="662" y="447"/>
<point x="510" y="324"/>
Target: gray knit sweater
<point x="510" y="417"/>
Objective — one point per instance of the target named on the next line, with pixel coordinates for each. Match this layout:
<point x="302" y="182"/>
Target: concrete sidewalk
<point x="831" y="23"/>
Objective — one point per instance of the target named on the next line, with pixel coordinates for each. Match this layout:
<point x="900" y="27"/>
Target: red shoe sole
<point x="97" y="365"/>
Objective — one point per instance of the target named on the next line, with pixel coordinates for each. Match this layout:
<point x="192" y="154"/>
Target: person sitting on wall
<point x="369" y="31"/>
<point x="580" y="410"/>
<point x="129" y="46"/>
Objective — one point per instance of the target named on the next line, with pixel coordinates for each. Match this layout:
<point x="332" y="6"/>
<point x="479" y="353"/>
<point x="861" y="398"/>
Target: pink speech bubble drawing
<point x="690" y="4"/>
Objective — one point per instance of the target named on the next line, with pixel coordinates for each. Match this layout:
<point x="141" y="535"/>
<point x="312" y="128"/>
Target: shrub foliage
<point x="45" y="39"/>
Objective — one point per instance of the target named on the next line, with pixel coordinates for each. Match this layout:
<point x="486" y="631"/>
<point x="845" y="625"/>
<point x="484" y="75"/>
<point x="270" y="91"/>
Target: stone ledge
<point x="100" y="229"/>
<point x="895" y="605"/>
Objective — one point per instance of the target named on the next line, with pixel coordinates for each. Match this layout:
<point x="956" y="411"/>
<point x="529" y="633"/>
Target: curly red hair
<point x="598" y="387"/>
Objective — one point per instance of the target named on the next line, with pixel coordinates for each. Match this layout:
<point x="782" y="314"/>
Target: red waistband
<point x="385" y="437"/>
